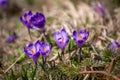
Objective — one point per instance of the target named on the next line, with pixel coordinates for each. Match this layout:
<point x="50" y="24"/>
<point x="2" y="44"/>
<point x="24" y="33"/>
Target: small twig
<point x="112" y="63"/>
<point x="13" y="64"/>
<point x="101" y="72"/>
<point x="86" y="77"/>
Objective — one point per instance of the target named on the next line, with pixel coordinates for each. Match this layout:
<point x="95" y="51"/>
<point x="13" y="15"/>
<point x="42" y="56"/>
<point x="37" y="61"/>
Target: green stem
<point x="62" y="55"/>
<point x="34" y="72"/>
<point x="79" y="57"/>
<point x="29" y="34"/>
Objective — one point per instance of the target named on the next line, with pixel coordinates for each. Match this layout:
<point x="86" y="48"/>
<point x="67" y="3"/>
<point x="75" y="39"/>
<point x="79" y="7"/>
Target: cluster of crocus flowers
<point x="37" y="49"/>
<point x="62" y="39"/>
<point x="3" y="3"/>
<point x="81" y="37"/>
<point x="33" y="21"/>
<point x="115" y="47"/>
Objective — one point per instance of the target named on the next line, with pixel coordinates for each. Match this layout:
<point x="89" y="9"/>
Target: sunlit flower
<point x="80" y="37"/>
<point x="100" y="9"/>
<point x="38" y="20"/>
<point x="32" y="50"/>
<point x="61" y="39"/>
<point x="11" y="39"/>
<point x="115" y="46"/>
<point x="26" y="20"/>
<point x="45" y="49"/>
<point x="3" y="3"/>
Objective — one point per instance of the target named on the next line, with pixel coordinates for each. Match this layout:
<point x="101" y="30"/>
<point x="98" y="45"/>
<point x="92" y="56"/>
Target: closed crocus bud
<point x="32" y="50"/>
<point x="26" y="20"/>
<point x="45" y="49"/>
<point x="38" y="20"/>
<point x="12" y="38"/>
<point x="61" y="39"/>
<point x="115" y="47"/>
<point x="81" y="37"/>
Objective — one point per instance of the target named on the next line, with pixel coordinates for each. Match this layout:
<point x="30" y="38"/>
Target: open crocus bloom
<point x="62" y="39"/>
<point x="33" y="21"/>
<point x="45" y="49"/>
<point x="38" y="20"/>
<point x="80" y="37"/>
<point x="32" y="50"/>
<point x="26" y="20"/>
<point x="115" y="46"/>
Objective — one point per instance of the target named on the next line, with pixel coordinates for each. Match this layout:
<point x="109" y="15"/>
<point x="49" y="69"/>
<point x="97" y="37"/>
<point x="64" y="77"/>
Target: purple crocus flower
<point x="100" y="9"/>
<point x="11" y="39"/>
<point x="45" y="49"/>
<point x="61" y="39"/>
<point x="26" y="20"/>
<point x="38" y="20"/>
<point x="32" y="50"/>
<point x="115" y="46"/>
<point x="3" y="3"/>
<point x="80" y="37"/>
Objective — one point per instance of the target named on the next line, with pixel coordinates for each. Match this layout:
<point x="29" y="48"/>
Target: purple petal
<point x="38" y="20"/>
<point x="36" y="57"/>
<point x="114" y="46"/>
<point x="64" y="34"/>
<point x="57" y="35"/>
<point x="27" y="52"/>
<point x="38" y="46"/>
<point x="75" y="35"/>
<point x="30" y="13"/>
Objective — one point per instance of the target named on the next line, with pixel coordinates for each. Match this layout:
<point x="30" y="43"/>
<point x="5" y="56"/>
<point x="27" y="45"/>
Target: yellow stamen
<point x="28" y="19"/>
<point x="118" y="48"/>
<point x="62" y="40"/>
<point x="45" y="49"/>
<point x="33" y="51"/>
<point x="80" y="37"/>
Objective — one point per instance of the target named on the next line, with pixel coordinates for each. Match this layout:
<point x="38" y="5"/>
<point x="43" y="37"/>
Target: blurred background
<point x="100" y="17"/>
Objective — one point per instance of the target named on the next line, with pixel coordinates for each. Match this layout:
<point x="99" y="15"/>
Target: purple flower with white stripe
<point x="26" y="20"/>
<point x="45" y="49"/>
<point x="81" y="37"/>
<point x="115" y="47"/>
<point x="38" y="20"/>
<point x="32" y="50"/>
<point x="61" y="39"/>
